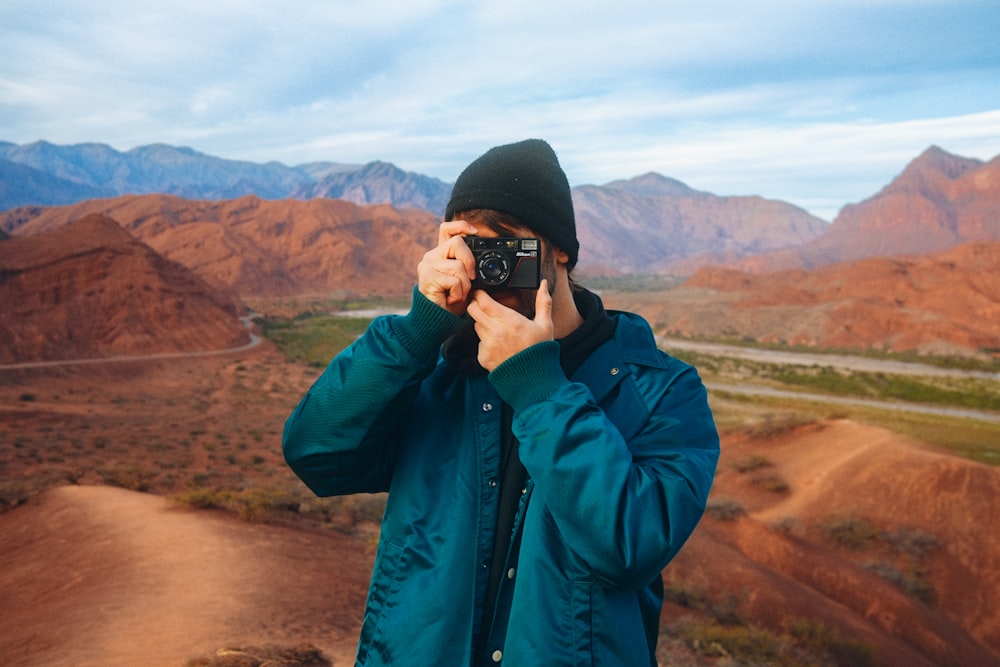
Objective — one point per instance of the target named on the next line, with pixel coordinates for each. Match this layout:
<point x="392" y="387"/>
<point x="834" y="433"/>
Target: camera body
<point x="506" y="262"/>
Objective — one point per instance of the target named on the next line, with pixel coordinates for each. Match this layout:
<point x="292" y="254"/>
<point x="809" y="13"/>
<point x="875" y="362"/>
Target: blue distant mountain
<point x="22" y="185"/>
<point x="644" y="224"/>
<point x="45" y="174"/>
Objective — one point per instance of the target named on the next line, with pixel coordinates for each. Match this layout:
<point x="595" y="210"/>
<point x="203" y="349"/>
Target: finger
<point x="433" y="270"/>
<point x="447" y="230"/>
<point x="476" y="310"/>
<point x="458" y="249"/>
<point x="453" y="287"/>
<point x="444" y="282"/>
<point x="488" y="306"/>
<point x="543" y="303"/>
<point x="487" y="313"/>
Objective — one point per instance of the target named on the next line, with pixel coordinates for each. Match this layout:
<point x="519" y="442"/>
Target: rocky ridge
<point x="92" y="290"/>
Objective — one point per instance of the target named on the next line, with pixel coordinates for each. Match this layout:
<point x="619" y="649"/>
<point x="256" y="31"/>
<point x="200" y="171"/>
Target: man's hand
<point x="445" y="273"/>
<point x="503" y="332"/>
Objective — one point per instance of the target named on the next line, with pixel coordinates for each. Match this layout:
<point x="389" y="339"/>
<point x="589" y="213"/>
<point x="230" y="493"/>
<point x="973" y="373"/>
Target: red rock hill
<point x="263" y="247"/>
<point x="938" y="202"/>
<point x="933" y="303"/>
<point x="92" y="290"/>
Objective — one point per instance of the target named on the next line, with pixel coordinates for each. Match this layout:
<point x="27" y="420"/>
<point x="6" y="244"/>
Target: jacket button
<point x="614" y="371"/>
<point x="497" y="656"/>
<point x="510" y="573"/>
<point x="487" y="407"/>
<point x="492" y="483"/>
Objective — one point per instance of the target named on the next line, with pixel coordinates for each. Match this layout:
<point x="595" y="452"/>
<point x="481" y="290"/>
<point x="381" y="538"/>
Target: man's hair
<point x="502" y="224"/>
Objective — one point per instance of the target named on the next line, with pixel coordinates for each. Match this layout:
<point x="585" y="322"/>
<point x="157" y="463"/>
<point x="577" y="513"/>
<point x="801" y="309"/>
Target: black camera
<point x="506" y="263"/>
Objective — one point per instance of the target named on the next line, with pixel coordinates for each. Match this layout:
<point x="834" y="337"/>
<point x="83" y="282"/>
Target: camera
<point x="506" y="263"/>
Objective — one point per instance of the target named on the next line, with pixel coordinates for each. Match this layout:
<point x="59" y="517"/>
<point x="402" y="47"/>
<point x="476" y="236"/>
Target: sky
<point x="819" y="103"/>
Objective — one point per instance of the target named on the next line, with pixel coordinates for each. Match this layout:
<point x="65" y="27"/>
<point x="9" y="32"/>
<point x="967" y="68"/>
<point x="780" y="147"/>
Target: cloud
<point x="811" y="103"/>
<point x="820" y="167"/>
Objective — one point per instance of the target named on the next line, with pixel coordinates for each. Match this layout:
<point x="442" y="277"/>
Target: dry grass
<point x="211" y="425"/>
<point x="302" y="655"/>
<point x="715" y="633"/>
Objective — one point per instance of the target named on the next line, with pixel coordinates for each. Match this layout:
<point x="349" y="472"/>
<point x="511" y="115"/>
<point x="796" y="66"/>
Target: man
<point x="544" y="460"/>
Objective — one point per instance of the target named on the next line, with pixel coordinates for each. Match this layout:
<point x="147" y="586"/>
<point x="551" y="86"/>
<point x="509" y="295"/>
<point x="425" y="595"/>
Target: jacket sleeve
<point x="623" y="507"/>
<point x="340" y="438"/>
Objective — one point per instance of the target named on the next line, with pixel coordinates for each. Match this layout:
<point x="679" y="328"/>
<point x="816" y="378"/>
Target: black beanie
<point x="523" y="180"/>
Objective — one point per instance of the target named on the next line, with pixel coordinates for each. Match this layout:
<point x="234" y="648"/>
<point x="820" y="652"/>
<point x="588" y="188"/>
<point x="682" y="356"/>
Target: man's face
<point x="521" y="300"/>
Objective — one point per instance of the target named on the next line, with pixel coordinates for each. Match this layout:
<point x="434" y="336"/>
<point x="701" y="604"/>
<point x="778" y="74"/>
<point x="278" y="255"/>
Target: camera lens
<point x="493" y="268"/>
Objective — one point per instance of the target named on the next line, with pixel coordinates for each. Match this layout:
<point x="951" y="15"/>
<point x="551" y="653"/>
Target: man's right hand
<point x="445" y="273"/>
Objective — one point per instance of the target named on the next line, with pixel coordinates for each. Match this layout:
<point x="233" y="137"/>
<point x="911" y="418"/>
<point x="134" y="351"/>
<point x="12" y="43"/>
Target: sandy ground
<point x="93" y="575"/>
<point x="104" y="577"/>
<point x="98" y="576"/>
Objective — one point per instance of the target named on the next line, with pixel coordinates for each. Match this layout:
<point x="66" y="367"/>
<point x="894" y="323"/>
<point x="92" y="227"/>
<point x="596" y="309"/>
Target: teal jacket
<point x="620" y="459"/>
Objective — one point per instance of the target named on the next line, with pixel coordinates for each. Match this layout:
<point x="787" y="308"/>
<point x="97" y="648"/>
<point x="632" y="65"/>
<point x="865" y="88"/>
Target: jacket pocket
<point x="384" y="586"/>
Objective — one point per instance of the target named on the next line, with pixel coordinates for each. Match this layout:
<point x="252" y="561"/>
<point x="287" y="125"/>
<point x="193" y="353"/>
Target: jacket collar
<point x="610" y="364"/>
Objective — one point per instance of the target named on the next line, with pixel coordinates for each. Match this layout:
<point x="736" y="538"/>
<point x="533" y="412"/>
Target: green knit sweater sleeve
<point x="529" y="376"/>
<point x="340" y="437"/>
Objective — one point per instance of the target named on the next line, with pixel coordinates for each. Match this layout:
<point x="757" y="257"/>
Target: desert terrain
<point x="945" y="303"/>
<point x="151" y="348"/>
<point x="100" y="567"/>
<point x="106" y="563"/>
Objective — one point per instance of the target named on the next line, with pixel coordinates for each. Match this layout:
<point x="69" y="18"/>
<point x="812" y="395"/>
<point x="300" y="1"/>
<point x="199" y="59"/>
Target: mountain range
<point x="647" y="224"/>
<point x="260" y="247"/>
<point x="45" y="174"/>
<point x="912" y="268"/>
<point x="939" y="201"/>
<point x="654" y="224"/>
<point x="253" y="246"/>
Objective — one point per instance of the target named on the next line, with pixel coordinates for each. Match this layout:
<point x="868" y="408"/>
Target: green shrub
<point x="773" y="483"/>
<point x="133" y="477"/>
<point x="366" y="507"/>
<point x="301" y="655"/>
<point x="725" y="509"/>
<point x="848" y="531"/>
<point x="806" y="643"/>
<point x="255" y="504"/>
<point x="260" y="503"/>
<point x="202" y="499"/>
<point x="785" y="525"/>
<point x="818" y="639"/>
<point x="313" y="339"/>
<point x="913" y="543"/>
<point x="911" y="583"/>
<point x="750" y="463"/>
<point x="12" y="494"/>
<point x="772" y="425"/>
<point x="675" y="591"/>
<point x="746" y="645"/>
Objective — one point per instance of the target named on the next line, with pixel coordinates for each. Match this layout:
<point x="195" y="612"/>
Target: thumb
<point x="543" y="304"/>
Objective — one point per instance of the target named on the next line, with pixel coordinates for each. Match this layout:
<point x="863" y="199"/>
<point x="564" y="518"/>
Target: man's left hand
<point x="503" y="332"/>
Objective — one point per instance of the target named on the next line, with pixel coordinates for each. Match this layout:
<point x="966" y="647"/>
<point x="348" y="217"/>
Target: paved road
<point x="254" y="342"/>
<point x="751" y="390"/>
<point x="838" y="361"/>
<point x="777" y="357"/>
<point x="834" y="360"/>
